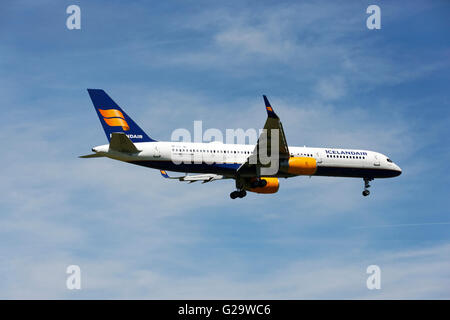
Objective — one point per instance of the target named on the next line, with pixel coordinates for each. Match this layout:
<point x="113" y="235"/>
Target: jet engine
<point x="270" y="185"/>
<point x="300" y="166"/>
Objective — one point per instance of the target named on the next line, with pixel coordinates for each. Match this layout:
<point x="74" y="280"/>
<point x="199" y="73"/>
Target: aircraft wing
<point x="193" y="178"/>
<point x="272" y="127"/>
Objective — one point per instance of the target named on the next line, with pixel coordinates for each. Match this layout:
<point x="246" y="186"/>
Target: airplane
<point x="213" y="161"/>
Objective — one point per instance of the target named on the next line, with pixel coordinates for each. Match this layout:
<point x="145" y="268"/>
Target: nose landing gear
<point x="366" y="191"/>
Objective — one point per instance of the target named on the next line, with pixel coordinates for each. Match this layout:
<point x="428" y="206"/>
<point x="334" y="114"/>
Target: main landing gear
<point x="366" y="191"/>
<point x="242" y="184"/>
<point x="238" y="194"/>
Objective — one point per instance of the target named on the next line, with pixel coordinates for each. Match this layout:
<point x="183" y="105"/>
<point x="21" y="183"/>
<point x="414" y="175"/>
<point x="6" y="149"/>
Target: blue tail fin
<point x="114" y="119"/>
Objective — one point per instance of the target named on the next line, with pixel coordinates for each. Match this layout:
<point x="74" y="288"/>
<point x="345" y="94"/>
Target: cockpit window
<point x="389" y="160"/>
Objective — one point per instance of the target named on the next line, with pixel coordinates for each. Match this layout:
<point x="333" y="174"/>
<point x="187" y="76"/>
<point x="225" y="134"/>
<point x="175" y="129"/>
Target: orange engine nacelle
<point x="271" y="186"/>
<point x="302" y="166"/>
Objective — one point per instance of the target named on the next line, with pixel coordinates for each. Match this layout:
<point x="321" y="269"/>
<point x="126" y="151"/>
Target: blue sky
<point x="332" y="81"/>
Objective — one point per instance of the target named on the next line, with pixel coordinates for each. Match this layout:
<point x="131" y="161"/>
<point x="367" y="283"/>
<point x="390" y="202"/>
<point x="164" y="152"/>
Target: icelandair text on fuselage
<point x="352" y="153"/>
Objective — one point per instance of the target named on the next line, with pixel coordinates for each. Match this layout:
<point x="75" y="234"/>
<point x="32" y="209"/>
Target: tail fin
<point x="114" y="119"/>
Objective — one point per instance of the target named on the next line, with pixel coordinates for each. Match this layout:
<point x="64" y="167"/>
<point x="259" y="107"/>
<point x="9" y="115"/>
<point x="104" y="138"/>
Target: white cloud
<point x="331" y="88"/>
<point x="421" y="273"/>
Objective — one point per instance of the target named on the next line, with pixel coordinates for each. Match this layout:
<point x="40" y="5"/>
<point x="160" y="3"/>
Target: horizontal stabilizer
<point x="121" y="143"/>
<point x="94" y="155"/>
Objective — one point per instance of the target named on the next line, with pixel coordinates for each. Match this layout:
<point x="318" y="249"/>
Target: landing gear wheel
<point x="366" y="191"/>
<point x="242" y="193"/>
<point x="238" y="194"/>
<point x="234" y="194"/>
<point x="262" y="183"/>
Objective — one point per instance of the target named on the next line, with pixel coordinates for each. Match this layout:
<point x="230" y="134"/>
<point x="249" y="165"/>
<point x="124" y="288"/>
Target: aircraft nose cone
<point x="398" y="170"/>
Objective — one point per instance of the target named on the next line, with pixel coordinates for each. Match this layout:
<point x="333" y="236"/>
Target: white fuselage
<point x="219" y="158"/>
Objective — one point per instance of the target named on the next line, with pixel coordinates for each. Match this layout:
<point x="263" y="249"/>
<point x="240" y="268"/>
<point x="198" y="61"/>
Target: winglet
<point x="269" y="108"/>
<point x="164" y="174"/>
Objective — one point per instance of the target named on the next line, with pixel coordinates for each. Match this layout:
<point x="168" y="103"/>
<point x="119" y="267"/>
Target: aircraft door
<point x="156" y="151"/>
<point x="376" y="161"/>
<point x="318" y="157"/>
